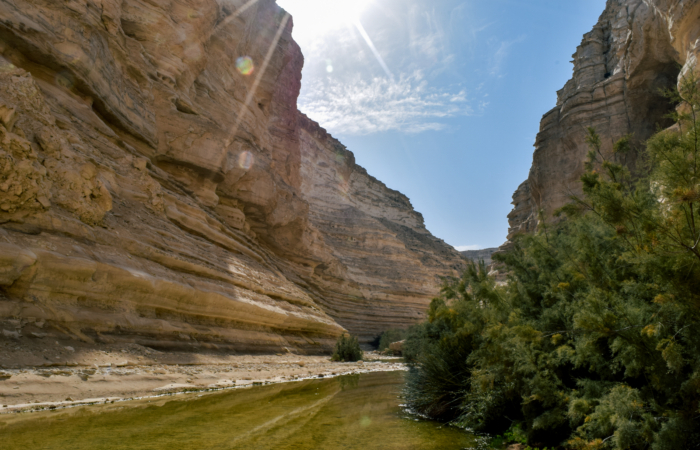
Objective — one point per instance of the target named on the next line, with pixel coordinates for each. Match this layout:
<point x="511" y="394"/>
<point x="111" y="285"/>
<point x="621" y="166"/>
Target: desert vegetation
<point x="594" y="342"/>
<point x="347" y="349"/>
<point x="388" y="337"/>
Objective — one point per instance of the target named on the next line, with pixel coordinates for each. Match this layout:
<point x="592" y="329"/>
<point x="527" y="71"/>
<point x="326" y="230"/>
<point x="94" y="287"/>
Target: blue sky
<point x="440" y="99"/>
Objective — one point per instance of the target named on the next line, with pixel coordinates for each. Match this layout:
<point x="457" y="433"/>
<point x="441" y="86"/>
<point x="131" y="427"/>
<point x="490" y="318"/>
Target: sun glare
<point x="314" y="18"/>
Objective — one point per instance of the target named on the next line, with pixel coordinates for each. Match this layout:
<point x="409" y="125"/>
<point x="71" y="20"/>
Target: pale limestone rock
<point x="476" y="256"/>
<point x="397" y="347"/>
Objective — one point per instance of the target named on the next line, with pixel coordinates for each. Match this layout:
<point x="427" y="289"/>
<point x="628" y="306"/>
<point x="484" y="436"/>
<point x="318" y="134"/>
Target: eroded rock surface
<point x="150" y="192"/>
<point x="379" y="264"/>
<point x="480" y="255"/>
<point x="632" y="52"/>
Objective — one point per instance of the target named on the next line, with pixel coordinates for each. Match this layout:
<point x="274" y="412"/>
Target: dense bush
<point x="594" y="343"/>
<point x="347" y="349"/>
<point x="390" y="336"/>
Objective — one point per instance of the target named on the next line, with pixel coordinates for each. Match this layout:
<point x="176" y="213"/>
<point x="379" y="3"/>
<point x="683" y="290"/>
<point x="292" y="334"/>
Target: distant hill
<point x="476" y="255"/>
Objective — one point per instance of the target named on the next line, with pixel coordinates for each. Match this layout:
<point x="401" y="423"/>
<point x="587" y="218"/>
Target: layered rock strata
<point x="619" y="69"/>
<point x="480" y="255"/>
<point x="154" y="190"/>
<point x="379" y="264"/>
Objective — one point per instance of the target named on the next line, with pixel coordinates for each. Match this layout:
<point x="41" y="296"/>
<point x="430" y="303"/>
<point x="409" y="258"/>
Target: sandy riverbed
<point x="61" y="375"/>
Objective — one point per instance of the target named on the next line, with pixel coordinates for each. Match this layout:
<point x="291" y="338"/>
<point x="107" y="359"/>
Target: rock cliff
<point x="634" y="50"/>
<point x="480" y="255"/>
<point x="378" y="263"/>
<point x="159" y="186"/>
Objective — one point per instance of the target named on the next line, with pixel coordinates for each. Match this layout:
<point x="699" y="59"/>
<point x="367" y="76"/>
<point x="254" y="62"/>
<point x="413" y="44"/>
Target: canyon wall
<point x="633" y="52"/>
<point x="480" y="255"/>
<point x="155" y="190"/>
<point x="379" y="263"/>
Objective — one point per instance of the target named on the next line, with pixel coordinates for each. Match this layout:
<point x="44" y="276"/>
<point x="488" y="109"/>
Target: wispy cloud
<point x="427" y="39"/>
<point x="399" y="70"/>
<point x="459" y="97"/>
<point x="360" y="107"/>
<point x="501" y="54"/>
<point x="464" y="248"/>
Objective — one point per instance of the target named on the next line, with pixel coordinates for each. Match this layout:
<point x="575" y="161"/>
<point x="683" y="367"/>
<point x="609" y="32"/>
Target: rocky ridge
<point x="480" y="255"/>
<point x="152" y="193"/>
<point x="632" y="53"/>
<point x="369" y="232"/>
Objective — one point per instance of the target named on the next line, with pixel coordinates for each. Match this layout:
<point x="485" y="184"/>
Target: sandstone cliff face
<point x="379" y="264"/>
<point x="152" y="192"/>
<point x="631" y="53"/>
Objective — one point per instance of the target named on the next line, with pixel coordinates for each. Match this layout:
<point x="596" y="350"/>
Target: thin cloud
<point x="362" y="107"/>
<point x="500" y="55"/>
<point x="427" y="42"/>
<point x="460" y="97"/>
<point x="478" y="30"/>
<point x="426" y="36"/>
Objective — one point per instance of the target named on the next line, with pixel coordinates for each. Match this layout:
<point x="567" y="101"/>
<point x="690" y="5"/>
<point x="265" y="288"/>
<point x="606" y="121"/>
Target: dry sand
<point x="40" y="374"/>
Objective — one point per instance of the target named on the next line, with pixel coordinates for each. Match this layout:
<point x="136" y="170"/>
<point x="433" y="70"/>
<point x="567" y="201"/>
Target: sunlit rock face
<point x="156" y="188"/>
<point x="379" y="265"/>
<point x="621" y="65"/>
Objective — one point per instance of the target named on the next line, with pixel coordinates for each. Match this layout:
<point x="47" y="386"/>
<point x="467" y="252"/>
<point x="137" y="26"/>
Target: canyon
<point x="159" y="187"/>
<point x="637" y="48"/>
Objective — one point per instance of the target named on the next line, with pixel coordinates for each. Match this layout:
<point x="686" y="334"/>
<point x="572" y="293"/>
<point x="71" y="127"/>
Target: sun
<point x="315" y="18"/>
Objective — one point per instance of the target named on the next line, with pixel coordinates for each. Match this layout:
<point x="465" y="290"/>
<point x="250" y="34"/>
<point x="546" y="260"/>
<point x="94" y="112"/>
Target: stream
<point x="351" y="412"/>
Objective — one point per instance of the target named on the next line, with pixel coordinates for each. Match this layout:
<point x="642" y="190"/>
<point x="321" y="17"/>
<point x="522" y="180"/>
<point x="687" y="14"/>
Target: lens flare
<point x="245" y="65"/>
<point x="317" y="18"/>
<point x="245" y="160"/>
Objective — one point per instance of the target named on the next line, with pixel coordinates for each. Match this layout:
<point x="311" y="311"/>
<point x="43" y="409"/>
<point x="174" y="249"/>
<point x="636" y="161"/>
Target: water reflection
<point x="352" y="412"/>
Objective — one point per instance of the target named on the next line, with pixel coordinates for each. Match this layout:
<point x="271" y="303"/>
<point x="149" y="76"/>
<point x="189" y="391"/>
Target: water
<point x="352" y="412"/>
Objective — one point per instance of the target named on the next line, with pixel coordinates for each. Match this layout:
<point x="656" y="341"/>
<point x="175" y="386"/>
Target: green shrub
<point x="412" y="346"/>
<point x="515" y="434"/>
<point x="594" y="343"/>
<point x="390" y="336"/>
<point x="347" y="349"/>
